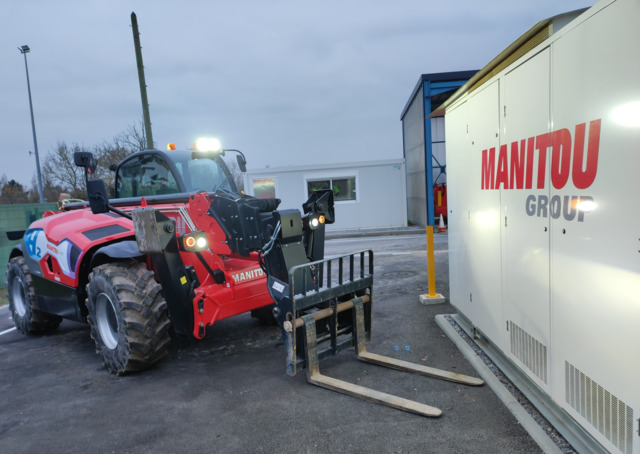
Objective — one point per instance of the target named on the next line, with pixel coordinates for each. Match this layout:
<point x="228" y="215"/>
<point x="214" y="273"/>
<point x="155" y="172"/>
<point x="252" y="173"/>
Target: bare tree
<point x="59" y="168"/>
<point x="52" y="192"/>
<point x="133" y="138"/>
<point x="60" y="173"/>
<point x="111" y="153"/>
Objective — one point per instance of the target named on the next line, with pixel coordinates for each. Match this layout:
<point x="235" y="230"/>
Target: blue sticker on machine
<point x="66" y="253"/>
<point x="35" y="242"/>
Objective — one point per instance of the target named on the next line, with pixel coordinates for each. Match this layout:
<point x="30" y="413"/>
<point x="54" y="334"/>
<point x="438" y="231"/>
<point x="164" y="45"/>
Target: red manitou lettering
<point x="583" y="177"/>
<point x="516" y="169"/>
<point x="502" y="177"/>
<point x="516" y="177"/>
<point x="529" y="166"/>
<point x="488" y="168"/>
<point x="560" y="157"/>
<point x="542" y="143"/>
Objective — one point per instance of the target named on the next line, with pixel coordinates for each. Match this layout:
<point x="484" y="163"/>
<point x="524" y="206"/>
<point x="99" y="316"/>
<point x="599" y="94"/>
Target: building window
<point x="344" y="189"/>
<point x="264" y="188"/>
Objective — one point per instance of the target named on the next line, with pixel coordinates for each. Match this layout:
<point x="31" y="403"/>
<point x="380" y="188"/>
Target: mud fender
<point x="119" y="251"/>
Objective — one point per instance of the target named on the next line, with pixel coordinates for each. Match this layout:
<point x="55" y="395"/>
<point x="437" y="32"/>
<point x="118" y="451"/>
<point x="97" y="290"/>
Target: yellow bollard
<point x="431" y="263"/>
<point x="432" y="297"/>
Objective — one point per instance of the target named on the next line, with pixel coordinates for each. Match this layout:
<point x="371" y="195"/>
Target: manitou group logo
<point x="516" y="168"/>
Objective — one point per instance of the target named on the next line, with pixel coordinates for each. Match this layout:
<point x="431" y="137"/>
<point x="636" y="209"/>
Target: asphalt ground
<point x="229" y="392"/>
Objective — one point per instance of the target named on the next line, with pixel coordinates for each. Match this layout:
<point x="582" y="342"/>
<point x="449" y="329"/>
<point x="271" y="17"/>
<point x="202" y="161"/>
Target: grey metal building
<point x="423" y="141"/>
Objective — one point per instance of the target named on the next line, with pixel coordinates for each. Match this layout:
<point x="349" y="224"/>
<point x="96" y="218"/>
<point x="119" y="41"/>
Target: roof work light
<point x="208" y="144"/>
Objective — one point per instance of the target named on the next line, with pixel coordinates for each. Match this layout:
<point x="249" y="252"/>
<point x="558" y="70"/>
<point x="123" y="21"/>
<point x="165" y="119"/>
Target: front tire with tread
<point x="128" y="316"/>
<point x="23" y="303"/>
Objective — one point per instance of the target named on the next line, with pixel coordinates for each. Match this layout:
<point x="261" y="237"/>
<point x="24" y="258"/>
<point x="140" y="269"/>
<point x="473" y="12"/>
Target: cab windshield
<point x="158" y="173"/>
<point x="204" y="174"/>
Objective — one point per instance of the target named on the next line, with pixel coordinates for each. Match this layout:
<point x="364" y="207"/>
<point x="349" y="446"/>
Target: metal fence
<point x="17" y="218"/>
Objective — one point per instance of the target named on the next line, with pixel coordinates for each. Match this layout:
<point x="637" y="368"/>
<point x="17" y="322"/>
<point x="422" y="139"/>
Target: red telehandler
<point x="180" y="248"/>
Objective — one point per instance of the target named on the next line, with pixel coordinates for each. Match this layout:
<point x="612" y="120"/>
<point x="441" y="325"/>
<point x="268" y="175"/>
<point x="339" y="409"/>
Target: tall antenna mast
<point x="143" y="84"/>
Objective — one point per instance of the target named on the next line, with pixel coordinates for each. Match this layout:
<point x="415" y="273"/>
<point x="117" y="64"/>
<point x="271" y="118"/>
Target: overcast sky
<point x="287" y="82"/>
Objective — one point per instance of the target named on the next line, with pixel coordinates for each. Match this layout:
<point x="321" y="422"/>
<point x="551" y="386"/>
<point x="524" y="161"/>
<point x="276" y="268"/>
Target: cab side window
<point x="144" y="176"/>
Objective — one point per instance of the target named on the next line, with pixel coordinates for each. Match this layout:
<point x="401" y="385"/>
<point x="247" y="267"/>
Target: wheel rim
<point x="18" y="297"/>
<point x="106" y="321"/>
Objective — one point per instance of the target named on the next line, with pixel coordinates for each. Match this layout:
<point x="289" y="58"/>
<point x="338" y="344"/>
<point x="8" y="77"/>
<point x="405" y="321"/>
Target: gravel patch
<point x="558" y="439"/>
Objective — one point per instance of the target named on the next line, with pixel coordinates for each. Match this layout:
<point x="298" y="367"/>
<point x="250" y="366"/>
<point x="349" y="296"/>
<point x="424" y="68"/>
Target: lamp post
<point x="24" y="50"/>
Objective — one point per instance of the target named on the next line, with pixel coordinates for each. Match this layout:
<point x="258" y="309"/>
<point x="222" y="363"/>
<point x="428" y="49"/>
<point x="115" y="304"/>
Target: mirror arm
<point x="120" y="212"/>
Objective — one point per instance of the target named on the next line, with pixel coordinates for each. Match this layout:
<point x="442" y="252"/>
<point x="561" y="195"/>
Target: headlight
<point x="193" y="241"/>
<point x="316" y="221"/>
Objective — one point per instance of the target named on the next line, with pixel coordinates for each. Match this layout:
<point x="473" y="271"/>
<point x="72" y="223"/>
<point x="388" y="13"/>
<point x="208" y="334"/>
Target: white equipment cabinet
<point x="543" y="157"/>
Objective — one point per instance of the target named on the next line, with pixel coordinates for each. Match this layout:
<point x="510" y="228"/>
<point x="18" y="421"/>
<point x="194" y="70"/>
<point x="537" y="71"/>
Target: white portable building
<point x="367" y="194"/>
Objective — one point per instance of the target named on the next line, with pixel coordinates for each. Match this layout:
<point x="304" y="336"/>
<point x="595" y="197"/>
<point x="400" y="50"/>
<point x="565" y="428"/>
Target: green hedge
<point x="15" y="218"/>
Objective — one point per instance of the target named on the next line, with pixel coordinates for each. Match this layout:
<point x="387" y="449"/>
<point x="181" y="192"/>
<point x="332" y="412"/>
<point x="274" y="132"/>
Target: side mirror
<point x="242" y="163"/>
<point x="98" y="199"/>
<point x="85" y="159"/>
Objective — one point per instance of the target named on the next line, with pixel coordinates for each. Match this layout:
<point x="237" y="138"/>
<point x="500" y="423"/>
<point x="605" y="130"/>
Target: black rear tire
<point x="23" y="303"/>
<point x="128" y="316"/>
